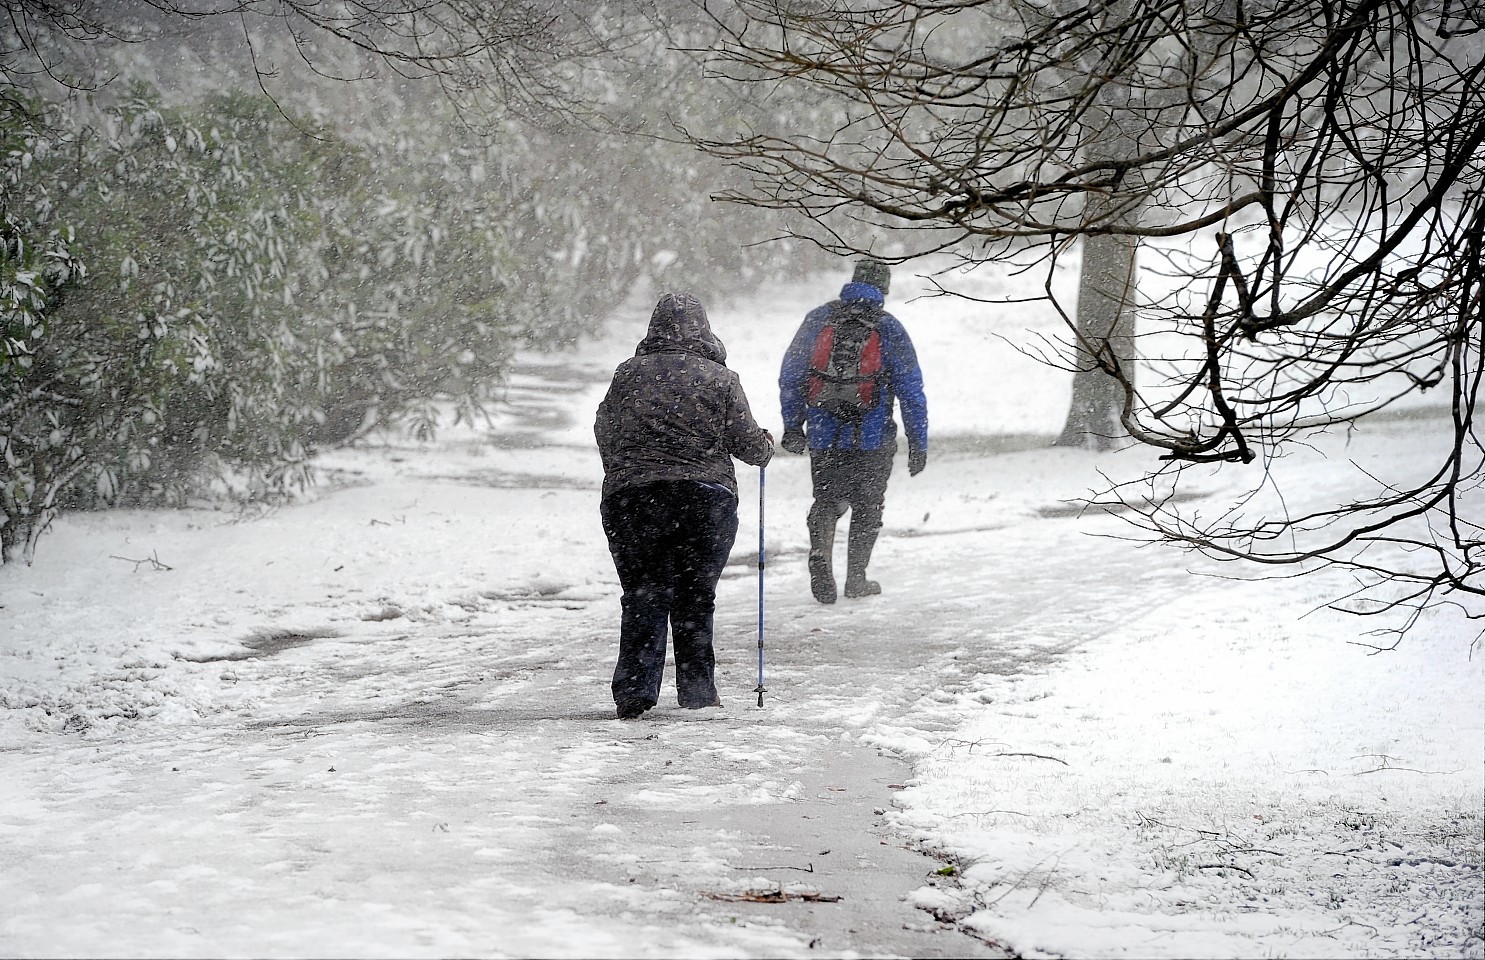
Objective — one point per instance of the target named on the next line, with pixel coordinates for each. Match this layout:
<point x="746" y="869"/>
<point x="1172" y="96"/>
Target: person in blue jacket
<point x="851" y="455"/>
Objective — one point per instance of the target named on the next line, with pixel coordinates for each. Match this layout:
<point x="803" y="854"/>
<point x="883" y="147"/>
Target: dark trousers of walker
<point x="854" y="480"/>
<point x="669" y="541"/>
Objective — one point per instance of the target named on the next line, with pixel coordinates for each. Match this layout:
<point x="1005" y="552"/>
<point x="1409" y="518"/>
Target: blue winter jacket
<point x="877" y="429"/>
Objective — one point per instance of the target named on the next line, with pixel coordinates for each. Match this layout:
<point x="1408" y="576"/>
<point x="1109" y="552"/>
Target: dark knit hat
<point x="874" y="272"/>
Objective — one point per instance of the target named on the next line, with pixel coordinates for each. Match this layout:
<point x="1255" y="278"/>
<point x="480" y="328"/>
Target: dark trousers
<point x="669" y="541"/>
<point x="854" y="480"/>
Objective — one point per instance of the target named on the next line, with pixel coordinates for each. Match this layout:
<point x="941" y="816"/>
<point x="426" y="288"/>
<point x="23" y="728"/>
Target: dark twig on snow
<point x="971" y="744"/>
<point x="989" y="813"/>
<point x="1387" y="765"/>
<point x="1384" y="768"/>
<point x="805" y="869"/>
<point x="153" y="560"/>
<point x="1039" y="756"/>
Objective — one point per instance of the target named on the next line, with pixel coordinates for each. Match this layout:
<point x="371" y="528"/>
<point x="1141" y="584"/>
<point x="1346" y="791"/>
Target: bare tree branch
<point x="1307" y="174"/>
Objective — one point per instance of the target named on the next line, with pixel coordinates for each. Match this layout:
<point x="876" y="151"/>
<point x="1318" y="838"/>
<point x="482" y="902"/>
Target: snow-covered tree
<point x="1301" y="181"/>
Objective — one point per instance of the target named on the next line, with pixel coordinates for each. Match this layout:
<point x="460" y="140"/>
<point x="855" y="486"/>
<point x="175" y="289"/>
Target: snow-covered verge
<point x="376" y="722"/>
<point x="1205" y="766"/>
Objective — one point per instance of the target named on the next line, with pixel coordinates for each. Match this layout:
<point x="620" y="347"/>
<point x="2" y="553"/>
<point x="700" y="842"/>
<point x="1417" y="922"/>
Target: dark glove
<point x="794" y="441"/>
<point x="917" y="460"/>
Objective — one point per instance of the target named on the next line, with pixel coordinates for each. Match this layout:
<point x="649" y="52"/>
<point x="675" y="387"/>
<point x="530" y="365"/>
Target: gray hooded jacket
<point x="674" y="411"/>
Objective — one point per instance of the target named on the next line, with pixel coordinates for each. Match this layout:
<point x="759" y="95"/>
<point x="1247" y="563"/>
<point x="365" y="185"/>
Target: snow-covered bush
<point x="259" y="283"/>
<point x="251" y="280"/>
<point x="38" y="452"/>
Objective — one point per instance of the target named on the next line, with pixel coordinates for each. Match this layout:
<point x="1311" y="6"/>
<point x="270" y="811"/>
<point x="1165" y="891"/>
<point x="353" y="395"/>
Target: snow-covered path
<point x="391" y="742"/>
<point x="377" y="723"/>
<point x="410" y="766"/>
<point x="425" y="768"/>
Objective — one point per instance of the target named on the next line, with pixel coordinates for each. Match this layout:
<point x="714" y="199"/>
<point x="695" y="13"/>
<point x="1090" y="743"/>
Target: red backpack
<point x="845" y="372"/>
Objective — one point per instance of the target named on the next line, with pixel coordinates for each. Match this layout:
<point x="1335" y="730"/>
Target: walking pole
<point x="760" y="691"/>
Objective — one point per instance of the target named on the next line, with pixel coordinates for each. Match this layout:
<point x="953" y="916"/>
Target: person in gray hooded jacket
<point x="673" y="419"/>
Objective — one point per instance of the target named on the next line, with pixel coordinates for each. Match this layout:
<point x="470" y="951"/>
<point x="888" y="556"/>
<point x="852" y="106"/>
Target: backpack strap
<point x="870" y="369"/>
<point x="820" y="360"/>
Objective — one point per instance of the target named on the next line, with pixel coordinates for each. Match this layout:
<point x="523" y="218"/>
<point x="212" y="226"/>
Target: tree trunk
<point x="8" y="533"/>
<point x="1105" y="328"/>
<point x="20" y="531"/>
<point x="1114" y="128"/>
<point x="26" y="521"/>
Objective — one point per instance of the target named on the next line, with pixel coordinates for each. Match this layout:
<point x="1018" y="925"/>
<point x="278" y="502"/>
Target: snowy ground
<point x="377" y="722"/>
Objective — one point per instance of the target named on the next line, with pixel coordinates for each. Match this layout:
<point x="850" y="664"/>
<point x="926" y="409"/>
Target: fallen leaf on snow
<point x="774" y="896"/>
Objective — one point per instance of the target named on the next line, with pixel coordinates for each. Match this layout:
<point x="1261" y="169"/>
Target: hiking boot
<point x="822" y="582"/>
<point x="858" y="555"/>
<point x="821" y="525"/>
<point x="715" y="702"/>
<point x="632" y="709"/>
